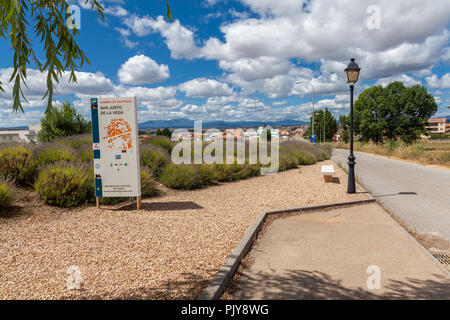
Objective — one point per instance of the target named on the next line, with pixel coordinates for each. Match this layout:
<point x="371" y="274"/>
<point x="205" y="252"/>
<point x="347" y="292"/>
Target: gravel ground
<point x="169" y="250"/>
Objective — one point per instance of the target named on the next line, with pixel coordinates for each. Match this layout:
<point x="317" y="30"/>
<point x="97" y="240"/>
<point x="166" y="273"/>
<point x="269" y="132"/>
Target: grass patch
<point x="424" y="152"/>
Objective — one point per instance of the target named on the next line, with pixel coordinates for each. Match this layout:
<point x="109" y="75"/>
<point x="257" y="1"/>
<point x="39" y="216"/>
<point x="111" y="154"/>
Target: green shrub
<point x="223" y="172"/>
<point x="293" y="153"/>
<point x="162" y="142"/>
<point x="63" y="184"/>
<point x="287" y="162"/>
<point x="76" y="142"/>
<point x="109" y="201"/>
<point x="183" y="176"/>
<point x="17" y="165"/>
<point x="148" y="184"/>
<point x="304" y="158"/>
<point x="155" y="158"/>
<point x="233" y="172"/>
<point x="62" y="122"/>
<point x="148" y="187"/>
<point x="6" y="195"/>
<point x="250" y="170"/>
<point x="85" y="153"/>
<point x="50" y="153"/>
<point x="89" y="185"/>
<point x="206" y="173"/>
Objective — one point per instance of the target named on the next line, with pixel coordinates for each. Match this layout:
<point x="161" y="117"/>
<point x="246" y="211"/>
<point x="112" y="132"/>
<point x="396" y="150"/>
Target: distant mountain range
<point x="14" y="128"/>
<point x="186" y="123"/>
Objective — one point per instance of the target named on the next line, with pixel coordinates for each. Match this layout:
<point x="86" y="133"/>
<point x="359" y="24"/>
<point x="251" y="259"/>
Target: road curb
<point x="218" y="284"/>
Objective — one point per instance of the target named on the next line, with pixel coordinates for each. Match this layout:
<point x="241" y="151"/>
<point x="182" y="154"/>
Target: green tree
<point x="166" y="132"/>
<point x="345" y="126"/>
<point x="61" y="122"/>
<point x="49" y="20"/>
<point x="331" y="125"/>
<point x="394" y="112"/>
<point x="158" y="132"/>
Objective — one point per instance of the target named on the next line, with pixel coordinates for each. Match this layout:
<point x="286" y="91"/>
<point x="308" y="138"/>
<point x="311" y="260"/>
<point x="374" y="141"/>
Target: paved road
<point x="427" y="210"/>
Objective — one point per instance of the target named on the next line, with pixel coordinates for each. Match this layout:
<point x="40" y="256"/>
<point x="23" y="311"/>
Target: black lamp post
<point x="352" y="72"/>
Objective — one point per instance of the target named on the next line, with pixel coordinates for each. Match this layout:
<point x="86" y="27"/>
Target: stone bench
<point x="328" y="173"/>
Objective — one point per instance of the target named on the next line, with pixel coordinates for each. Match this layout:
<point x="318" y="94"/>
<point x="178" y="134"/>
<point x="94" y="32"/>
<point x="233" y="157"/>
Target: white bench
<point x="328" y="172"/>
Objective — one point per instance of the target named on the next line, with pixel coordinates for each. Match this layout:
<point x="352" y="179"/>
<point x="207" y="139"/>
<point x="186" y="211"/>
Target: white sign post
<point x="116" y="148"/>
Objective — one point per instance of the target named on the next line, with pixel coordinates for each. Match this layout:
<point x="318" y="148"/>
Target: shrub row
<point x="295" y="153"/>
<point x="70" y="184"/>
<point x="62" y="174"/>
<point x="155" y="158"/>
<point x="232" y="172"/>
<point x="186" y="176"/>
<point x="6" y="194"/>
<point x="162" y="142"/>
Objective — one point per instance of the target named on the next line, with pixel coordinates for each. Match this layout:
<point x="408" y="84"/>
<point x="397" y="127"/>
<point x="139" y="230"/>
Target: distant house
<point x="20" y="135"/>
<point x="436" y="126"/>
<point x="300" y="131"/>
<point x="285" y="133"/>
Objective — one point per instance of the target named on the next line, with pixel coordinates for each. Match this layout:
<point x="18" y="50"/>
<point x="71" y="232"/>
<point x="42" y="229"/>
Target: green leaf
<point x="169" y="16"/>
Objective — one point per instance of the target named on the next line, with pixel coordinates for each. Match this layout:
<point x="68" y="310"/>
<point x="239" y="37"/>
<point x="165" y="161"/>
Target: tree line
<point x="393" y="112"/>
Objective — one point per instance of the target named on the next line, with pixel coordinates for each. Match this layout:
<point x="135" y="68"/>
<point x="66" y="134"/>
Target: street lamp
<point x="314" y="94"/>
<point x="352" y="72"/>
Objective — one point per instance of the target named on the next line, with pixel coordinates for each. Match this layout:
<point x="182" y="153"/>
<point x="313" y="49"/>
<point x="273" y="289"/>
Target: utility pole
<point x="313" y="97"/>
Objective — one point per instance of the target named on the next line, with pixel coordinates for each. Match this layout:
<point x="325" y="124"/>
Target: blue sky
<point x="239" y="60"/>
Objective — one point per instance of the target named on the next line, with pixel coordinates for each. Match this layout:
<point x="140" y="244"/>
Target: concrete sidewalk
<point x="325" y="255"/>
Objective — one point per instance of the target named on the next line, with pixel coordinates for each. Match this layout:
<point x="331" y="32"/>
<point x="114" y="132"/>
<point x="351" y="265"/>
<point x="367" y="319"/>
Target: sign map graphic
<point x="119" y="132"/>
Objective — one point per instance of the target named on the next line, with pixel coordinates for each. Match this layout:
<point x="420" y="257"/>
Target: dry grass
<point x="426" y="152"/>
<point x="169" y="250"/>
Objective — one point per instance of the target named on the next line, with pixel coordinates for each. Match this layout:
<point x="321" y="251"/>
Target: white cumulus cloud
<point x="141" y="69"/>
<point x="204" y="88"/>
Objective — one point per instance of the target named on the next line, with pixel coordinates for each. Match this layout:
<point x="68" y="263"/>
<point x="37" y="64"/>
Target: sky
<point x="240" y="60"/>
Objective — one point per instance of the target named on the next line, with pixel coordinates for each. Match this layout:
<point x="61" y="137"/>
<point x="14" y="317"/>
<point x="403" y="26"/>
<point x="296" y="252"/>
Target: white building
<point x="20" y="135"/>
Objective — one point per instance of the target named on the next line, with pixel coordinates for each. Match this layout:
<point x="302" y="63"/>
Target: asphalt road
<point x="418" y="195"/>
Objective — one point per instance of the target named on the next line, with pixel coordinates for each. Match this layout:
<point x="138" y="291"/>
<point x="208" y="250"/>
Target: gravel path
<point x="418" y="195"/>
<point x="169" y="250"/>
